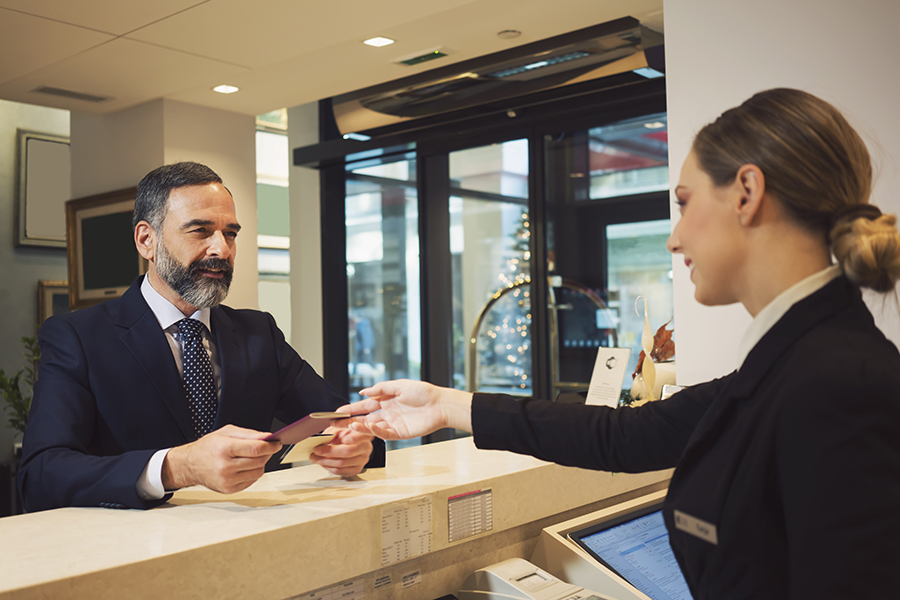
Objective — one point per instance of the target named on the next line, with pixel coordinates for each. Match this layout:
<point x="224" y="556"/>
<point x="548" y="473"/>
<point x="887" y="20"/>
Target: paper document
<point x="609" y="372"/>
<point x="302" y="449"/>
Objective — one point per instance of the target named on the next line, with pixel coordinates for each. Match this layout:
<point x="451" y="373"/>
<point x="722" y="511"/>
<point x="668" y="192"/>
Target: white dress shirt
<point x="774" y="310"/>
<point x="149" y="485"/>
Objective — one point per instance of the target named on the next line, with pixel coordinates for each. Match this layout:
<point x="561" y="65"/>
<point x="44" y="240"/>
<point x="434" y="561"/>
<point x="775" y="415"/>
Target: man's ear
<point x="751" y="185"/>
<point x="145" y="240"/>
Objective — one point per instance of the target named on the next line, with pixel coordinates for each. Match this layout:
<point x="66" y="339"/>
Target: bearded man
<point x="164" y="387"/>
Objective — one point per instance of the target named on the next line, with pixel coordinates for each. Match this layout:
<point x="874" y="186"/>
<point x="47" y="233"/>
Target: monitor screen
<point x="636" y="547"/>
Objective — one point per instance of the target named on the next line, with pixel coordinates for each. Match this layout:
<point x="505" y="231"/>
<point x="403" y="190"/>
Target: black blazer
<point x="109" y="395"/>
<point x="794" y="459"/>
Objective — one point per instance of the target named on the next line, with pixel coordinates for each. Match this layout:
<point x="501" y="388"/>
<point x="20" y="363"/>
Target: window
<point x="384" y="320"/>
<point x="273" y="227"/>
<point x="490" y="248"/>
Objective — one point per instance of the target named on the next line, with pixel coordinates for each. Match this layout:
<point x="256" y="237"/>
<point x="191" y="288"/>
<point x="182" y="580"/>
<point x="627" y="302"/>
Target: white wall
<point x="226" y="143"/>
<point x="306" y="241"/>
<point x="719" y="53"/>
<point x="113" y="152"/>
<point x="21" y="268"/>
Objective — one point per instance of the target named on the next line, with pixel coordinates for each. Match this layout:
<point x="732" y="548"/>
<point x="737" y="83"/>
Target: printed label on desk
<point x="411" y="579"/>
<point x="383" y="581"/>
<point x="470" y="514"/>
<point x="349" y="590"/>
<point x="405" y="530"/>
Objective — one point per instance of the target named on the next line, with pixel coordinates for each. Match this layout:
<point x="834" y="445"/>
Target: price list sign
<point x="405" y="530"/>
<point x="470" y="514"/>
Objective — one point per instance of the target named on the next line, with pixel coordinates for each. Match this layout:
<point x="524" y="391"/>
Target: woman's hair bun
<point x="868" y="249"/>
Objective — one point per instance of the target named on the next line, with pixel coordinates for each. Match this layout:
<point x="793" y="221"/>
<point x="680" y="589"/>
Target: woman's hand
<point x="405" y="409"/>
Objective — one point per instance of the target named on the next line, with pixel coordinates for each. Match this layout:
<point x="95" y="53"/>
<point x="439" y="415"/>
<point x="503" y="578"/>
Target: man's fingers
<point x="341" y="451"/>
<point x="241" y="433"/>
<point x="242" y="448"/>
<point x="383" y="431"/>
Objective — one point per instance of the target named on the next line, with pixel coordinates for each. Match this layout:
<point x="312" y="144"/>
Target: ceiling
<point x="280" y="53"/>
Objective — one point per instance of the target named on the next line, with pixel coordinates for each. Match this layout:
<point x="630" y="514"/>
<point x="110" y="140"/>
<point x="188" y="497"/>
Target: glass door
<point x="490" y="247"/>
<point x="607" y="219"/>
<point x="382" y="250"/>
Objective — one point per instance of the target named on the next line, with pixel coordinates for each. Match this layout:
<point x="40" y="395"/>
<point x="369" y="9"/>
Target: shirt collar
<point x="166" y="312"/>
<point x="776" y="309"/>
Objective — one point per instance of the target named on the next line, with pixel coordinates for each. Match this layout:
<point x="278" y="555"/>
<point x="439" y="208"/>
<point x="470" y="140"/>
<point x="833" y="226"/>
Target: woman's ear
<point x="145" y="240"/>
<point x="752" y="187"/>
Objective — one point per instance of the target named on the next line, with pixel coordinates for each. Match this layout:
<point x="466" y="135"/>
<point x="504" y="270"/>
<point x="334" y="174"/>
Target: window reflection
<point x="629" y="157"/>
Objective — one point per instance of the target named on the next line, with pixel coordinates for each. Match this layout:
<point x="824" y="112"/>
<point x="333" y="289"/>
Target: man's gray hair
<point x="153" y="191"/>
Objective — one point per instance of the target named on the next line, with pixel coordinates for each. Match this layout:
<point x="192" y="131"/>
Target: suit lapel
<point x="804" y="315"/>
<point x="145" y="339"/>
<point x="232" y="359"/>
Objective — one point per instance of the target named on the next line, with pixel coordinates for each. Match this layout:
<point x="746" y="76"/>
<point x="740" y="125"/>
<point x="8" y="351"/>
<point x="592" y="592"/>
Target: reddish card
<point x="305" y="427"/>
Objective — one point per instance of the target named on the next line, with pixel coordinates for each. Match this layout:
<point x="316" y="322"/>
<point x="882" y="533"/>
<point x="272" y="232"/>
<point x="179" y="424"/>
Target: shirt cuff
<point x="149" y="484"/>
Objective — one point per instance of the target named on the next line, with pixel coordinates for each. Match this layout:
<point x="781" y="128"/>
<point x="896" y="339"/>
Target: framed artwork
<point x="102" y="259"/>
<point x="43" y="185"/>
<point x="53" y="299"/>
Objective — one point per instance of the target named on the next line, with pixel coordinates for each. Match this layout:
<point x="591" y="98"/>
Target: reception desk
<point x="414" y="529"/>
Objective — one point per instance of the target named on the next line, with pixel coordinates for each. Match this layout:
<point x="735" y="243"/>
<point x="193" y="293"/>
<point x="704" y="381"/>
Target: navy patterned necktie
<point x="198" y="376"/>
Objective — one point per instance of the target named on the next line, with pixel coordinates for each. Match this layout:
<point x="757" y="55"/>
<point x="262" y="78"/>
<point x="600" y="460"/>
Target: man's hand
<point x="404" y="409"/>
<point x="227" y="460"/>
<point x="345" y="455"/>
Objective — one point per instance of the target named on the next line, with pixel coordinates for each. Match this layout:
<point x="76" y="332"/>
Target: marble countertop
<point x="287" y="518"/>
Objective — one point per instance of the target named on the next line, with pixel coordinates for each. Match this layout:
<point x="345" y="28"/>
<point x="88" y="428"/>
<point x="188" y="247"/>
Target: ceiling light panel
<point x="378" y="42"/>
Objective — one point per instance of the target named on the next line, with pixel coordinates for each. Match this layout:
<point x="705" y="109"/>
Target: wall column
<point x="718" y="54"/>
<point x="306" y="240"/>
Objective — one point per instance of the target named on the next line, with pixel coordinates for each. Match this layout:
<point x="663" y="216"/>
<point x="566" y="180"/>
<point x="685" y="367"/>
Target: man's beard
<point x="189" y="282"/>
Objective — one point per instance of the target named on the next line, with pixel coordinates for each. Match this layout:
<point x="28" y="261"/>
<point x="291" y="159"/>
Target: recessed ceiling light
<point x="655" y="125"/>
<point x="509" y="34"/>
<point x="378" y="42"/>
<point x="225" y="89"/>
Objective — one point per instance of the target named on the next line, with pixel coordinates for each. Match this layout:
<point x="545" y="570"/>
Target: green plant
<point x="18" y="403"/>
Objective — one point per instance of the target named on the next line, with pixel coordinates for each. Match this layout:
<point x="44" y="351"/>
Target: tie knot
<point x="191" y="327"/>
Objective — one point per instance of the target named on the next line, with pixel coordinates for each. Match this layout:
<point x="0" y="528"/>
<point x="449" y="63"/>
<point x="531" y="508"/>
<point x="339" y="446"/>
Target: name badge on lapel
<point x="696" y="527"/>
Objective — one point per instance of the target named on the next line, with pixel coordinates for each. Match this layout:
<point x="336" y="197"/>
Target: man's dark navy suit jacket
<point x="109" y="395"/>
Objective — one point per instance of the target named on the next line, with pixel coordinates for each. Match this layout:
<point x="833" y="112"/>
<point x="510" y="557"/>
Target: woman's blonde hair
<point x="818" y="167"/>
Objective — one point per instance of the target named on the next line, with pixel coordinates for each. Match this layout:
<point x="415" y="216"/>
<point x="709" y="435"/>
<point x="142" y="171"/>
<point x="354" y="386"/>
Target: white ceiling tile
<point x="279" y="52"/>
<point x="30" y="43"/>
<point x="130" y="72"/>
<point x="256" y="34"/>
<point x="110" y="16"/>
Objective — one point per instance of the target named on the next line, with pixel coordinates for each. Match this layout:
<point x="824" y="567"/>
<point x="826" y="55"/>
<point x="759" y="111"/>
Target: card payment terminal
<point x="518" y="579"/>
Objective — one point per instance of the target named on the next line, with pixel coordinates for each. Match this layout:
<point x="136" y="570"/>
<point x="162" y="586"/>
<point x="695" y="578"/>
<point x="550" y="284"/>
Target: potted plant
<point x="18" y="402"/>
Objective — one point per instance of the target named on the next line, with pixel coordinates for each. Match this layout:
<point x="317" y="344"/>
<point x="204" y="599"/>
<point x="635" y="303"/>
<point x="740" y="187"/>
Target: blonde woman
<point x="793" y="460"/>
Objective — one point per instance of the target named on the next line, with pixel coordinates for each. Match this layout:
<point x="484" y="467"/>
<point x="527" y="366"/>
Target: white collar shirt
<point x="774" y="310"/>
<point x="168" y="316"/>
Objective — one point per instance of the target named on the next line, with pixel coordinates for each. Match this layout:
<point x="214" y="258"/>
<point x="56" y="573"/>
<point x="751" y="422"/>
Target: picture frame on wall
<point x="43" y="187"/>
<point x="53" y="299"/>
<point x="102" y="259"/>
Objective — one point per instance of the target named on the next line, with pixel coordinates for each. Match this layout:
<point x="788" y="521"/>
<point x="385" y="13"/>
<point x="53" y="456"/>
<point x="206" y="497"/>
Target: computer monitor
<point x="636" y="547"/>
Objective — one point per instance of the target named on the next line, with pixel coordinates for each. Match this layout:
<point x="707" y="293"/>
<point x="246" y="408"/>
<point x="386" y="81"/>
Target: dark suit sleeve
<point x="627" y="440"/>
<point x="839" y="471"/>
<point x="59" y="465"/>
